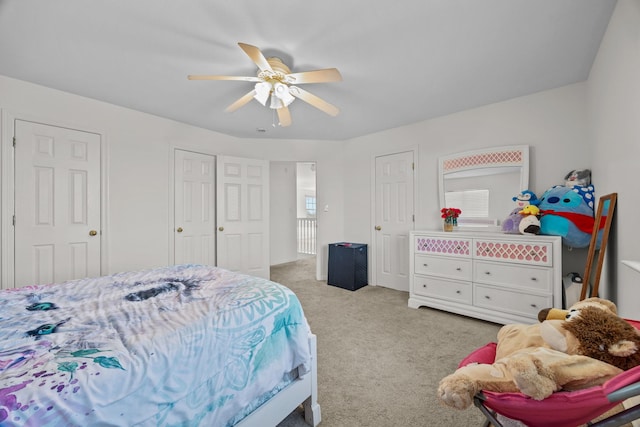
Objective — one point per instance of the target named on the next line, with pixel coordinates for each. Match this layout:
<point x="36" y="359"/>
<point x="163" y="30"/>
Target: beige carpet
<point x="379" y="362"/>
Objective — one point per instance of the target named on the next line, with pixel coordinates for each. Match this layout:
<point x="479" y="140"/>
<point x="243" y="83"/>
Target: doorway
<point x="293" y="215"/>
<point x="306" y="203"/>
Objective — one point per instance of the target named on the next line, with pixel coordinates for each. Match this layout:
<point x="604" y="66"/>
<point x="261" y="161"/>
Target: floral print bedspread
<point x="183" y="345"/>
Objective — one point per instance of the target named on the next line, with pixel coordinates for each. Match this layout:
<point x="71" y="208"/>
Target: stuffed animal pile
<point x="563" y="210"/>
<point x="530" y="223"/>
<point x="524" y="218"/>
<point x="568" y="212"/>
<point x="588" y="347"/>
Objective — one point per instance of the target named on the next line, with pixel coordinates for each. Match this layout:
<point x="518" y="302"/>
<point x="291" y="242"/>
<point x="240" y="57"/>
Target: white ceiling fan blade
<point x="317" y="76"/>
<point x="240" y="78"/>
<point x="315" y="101"/>
<point x="256" y="56"/>
<point x="284" y="116"/>
<point x="240" y="102"/>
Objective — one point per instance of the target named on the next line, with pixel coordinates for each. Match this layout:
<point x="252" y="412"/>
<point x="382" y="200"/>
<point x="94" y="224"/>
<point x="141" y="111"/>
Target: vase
<point x="447" y="225"/>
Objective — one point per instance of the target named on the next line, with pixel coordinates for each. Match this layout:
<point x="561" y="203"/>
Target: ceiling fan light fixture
<point x="281" y="91"/>
<point x="263" y="89"/>
<point x="276" y="103"/>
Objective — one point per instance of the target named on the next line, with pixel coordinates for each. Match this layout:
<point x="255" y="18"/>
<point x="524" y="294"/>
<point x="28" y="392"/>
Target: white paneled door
<point x="195" y="204"/>
<point x="394" y="207"/>
<point x="243" y="215"/>
<point x="57" y="204"/>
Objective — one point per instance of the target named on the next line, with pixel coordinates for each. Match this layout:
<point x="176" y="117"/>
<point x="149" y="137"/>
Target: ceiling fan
<point x="275" y="79"/>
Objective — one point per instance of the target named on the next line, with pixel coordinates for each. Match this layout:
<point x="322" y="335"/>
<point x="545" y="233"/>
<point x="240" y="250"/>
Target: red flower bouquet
<point x="449" y="214"/>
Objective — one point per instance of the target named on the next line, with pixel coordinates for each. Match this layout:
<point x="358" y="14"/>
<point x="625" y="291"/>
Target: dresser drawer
<point x="516" y="275"/>
<point x="530" y="253"/>
<point x="504" y="300"/>
<point x="442" y="289"/>
<point x="452" y="268"/>
<point x="443" y="246"/>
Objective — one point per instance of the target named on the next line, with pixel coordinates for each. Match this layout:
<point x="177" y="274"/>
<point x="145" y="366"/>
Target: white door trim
<point x="7" y="190"/>
<point x="373" y="251"/>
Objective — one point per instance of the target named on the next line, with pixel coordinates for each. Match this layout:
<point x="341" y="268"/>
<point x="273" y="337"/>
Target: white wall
<point x="283" y="247"/>
<point x="614" y="116"/>
<point x="138" y="167"/>
<point x="553" y="123"/>
<point x="138" y="231"/>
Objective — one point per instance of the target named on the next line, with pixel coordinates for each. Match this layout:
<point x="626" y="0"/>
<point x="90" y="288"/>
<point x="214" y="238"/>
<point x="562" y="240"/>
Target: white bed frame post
<point x="311" y="407"/>
<point x="302" y="391"/>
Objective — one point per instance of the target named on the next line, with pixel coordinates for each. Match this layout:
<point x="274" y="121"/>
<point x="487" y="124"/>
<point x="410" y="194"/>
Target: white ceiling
<point x="401" y="61"/>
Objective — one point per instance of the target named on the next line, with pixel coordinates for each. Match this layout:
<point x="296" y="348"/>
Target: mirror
<point x="482" y="184"/>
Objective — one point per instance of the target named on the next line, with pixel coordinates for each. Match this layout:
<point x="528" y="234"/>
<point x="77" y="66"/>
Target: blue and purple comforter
<point x="184" y="345"/>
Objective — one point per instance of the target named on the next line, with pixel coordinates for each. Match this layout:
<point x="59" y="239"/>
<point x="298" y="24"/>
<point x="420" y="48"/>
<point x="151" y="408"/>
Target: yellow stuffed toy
<point x="535" y="360"/>
<point x="560" y="314"/>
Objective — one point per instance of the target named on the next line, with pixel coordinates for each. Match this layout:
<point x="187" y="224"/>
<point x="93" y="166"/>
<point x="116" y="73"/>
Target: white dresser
<point x="502" y="278"/>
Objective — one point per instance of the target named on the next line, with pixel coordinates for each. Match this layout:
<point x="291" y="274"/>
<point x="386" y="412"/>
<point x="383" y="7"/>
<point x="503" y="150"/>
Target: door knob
<point x="220" y="228"/>
<point x="179" y="229"/>
<point x="93" y="233"/>
<point x="378" y="227"/>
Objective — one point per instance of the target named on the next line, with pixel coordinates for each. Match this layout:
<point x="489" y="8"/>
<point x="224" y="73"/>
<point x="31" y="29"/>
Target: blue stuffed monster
<point x="568" y="212"/>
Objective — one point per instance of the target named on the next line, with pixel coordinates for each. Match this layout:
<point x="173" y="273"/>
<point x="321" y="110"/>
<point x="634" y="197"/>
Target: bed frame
<point x="304" y="390"/>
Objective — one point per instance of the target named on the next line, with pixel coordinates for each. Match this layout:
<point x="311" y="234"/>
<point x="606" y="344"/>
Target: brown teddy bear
<point x="604" y="336"/>
<point x="542" y="358"/>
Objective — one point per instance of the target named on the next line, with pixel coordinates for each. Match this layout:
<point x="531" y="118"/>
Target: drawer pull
<point x="458" y="269"/>
<point x="534" y="279"/>
<point x="488" y="273"/>
<point x="426" y="265"/>
<point x="458" y="292"/>
<point x="424" y="286"/>
<point x="487" y="297"/>
<point x="534" y="305"/>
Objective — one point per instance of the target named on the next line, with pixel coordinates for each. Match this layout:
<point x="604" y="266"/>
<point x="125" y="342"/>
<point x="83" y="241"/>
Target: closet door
<point x="243" y="215"/>
<point x="57" y="204"/>
<point x="195" y="204"/>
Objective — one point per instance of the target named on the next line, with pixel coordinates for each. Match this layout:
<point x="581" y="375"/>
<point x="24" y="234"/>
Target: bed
<point x="181" y="345"/>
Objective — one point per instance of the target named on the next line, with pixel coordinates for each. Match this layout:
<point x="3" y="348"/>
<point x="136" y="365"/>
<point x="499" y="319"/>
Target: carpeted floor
<point x="379" y="362"/>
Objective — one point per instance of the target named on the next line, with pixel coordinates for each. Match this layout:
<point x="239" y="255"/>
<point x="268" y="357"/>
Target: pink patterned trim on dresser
<point x="513" y="251"/>
<point x="493" y="158"/>
<point x="443" y="246"/>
